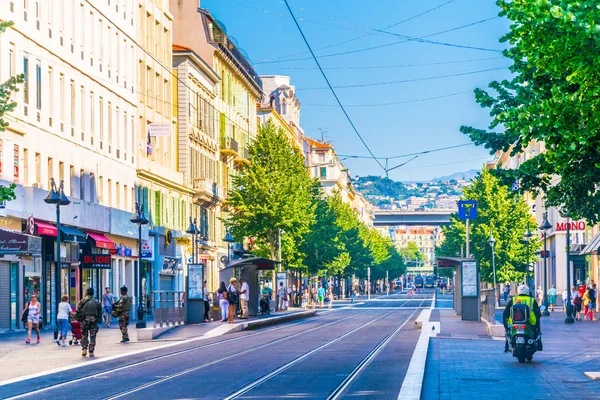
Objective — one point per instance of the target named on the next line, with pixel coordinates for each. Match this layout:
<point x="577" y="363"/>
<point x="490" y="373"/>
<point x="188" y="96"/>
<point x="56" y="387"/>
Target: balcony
<point x="208" y="192"/>
<point x="229" y="147"/>
<point x="242" y="158"/>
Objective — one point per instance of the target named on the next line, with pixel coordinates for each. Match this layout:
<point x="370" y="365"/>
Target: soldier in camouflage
<point x="88" y="313"/>
<point x="122" y="308"/>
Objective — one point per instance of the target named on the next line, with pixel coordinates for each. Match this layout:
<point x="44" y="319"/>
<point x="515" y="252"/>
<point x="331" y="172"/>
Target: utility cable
<point x="330" y="86"/>
<point x="411" y="154"/>
<point x="394" y="102"/>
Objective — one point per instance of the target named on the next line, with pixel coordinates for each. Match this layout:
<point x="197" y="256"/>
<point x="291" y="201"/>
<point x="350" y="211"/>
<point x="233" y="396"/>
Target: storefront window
<point x="32" y="279"/>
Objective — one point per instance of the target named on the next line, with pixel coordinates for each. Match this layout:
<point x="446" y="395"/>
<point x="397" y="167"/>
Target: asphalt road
<point x="362" y="350"/>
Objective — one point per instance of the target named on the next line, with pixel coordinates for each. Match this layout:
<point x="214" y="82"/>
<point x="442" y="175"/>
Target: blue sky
<point x="265" y="31"/>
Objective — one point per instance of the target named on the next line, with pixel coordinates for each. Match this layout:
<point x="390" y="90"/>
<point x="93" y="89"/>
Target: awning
<point x="102" y="241"/>
<point x="45" y="229"/>
<point x="261" y="263"/>
<point x="592" y="246"/>
<point x="68" y="234"/>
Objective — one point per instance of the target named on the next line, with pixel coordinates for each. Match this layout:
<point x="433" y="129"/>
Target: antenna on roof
<point x="324" y="138"/>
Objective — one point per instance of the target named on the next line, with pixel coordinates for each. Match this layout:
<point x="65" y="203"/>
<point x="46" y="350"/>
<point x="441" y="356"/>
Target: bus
<point x="429" y="281"/>
<point x="419" y="282"/>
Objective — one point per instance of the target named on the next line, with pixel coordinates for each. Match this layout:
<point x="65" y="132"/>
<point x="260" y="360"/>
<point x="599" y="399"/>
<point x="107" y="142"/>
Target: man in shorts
<point x="321" y="296"/>
<point x="108" y="299"/>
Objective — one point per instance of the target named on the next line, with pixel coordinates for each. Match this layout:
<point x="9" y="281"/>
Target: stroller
<point x="76" y="331"/>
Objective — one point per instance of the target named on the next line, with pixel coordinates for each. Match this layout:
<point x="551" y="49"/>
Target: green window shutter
<point x="157" y="208"/>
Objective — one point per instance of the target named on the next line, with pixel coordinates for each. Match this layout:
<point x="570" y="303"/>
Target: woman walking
<point x="62" y="318"/>
<point x="33" y="318"/>
<point x="223" y="303"/>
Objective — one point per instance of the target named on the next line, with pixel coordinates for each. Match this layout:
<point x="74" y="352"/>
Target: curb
<point x="246" y="326"/>
<point x="495" y="329"/>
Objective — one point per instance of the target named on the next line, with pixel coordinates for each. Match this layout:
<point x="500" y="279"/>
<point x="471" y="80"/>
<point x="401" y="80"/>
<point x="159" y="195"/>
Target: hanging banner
<point x="147" y="250"/>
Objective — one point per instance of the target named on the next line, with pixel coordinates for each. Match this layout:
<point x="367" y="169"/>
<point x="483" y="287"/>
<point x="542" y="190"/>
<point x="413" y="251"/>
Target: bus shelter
<point x="254" y="271"/>
<point x="466" y="286"/>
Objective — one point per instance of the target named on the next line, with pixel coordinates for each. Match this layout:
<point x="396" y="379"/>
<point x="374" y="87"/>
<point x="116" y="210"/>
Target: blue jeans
<point x="63" y="328"/>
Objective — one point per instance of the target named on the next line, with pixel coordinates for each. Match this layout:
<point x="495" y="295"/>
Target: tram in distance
<point x="429" y="282"/>
<point x="419" y="282"/>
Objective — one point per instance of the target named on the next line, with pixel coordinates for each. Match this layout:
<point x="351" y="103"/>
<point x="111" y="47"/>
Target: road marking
<point x="392" y="308"/>
<point x="398" y="300"/>
<point x="295" y="361"/>
<point x="117" y="356"/>
<point x="366" y="361"/>
<point x="413" y="380"/>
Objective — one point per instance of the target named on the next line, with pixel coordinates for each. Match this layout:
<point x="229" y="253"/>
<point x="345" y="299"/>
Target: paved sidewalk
<point x="477" y="368"/>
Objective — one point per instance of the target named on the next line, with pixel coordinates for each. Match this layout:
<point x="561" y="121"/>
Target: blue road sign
<point x="467" y="209"/>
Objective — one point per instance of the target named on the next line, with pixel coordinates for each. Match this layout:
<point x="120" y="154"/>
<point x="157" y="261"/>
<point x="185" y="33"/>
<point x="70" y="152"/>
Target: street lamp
<point x="528" y="235"/>
<point x="492" y="243"/>
<point x="57" y="196"/>
<point x="569" y="309"/>
<point x="140" y="220"/>
<point x="193" y="230"/>
<point x="230" y="240"/>
<point x="544" y="227"/>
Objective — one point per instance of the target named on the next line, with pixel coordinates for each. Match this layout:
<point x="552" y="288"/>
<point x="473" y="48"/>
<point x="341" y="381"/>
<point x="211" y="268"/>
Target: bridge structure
<point x="391" y="218"/>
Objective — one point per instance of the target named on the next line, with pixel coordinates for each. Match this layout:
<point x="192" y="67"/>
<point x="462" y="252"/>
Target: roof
<point x="314" y="143"/>
<point x="178" y="47"/>
<point x="260" y="263"/>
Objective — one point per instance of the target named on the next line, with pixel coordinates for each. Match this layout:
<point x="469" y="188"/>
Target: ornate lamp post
<point x="230" y="240"/>
<point x="544" y="228"/>
<point x="492" y="243"/>
<point x="140" y="220"/>
<point x="569" y="308"/>
<point x="57" y="196"/>
<point x="528" y="235"/>
<point x="193" y="230"/>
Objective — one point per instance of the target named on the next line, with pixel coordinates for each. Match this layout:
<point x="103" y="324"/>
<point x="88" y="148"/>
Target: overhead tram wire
<point x="330" y="86"/>
<point x="394" y="102"/>
<point x="387" y="44"/>
<point x="410" y="154"/>
<point x="368" y="34"/>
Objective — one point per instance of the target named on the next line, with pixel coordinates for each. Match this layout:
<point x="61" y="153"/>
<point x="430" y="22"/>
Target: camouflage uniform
<point x="90" y="311"/>
<point x="123" y="306"/>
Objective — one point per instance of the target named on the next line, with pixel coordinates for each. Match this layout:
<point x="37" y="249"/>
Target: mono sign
<point x="97" y="261"/>
<point x="573" y="226"/>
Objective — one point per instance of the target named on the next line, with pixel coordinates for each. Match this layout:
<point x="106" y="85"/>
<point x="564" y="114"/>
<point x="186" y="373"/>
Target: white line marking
<point x="413" y="380"/>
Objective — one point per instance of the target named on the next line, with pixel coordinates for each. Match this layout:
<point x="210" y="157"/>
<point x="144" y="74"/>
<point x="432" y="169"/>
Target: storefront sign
<point x="13" y="242"/>
<point x="573" y="226"/>
<point x="170" y="266"/>
<point x="97" y="261"/>
<point x="146" y="249"/>
<point x="122" y="250"/>
<point x="183" y="241"/>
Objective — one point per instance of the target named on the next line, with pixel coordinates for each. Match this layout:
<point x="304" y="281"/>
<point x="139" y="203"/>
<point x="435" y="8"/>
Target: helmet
<point x="523" y="290"/>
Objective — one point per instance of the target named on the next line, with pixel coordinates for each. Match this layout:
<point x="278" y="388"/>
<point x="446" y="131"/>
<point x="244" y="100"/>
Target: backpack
<point x="232" y="297"/>
<point x="519" y="313"/>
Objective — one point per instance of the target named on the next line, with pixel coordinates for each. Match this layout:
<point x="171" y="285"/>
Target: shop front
<point x="20" y="275"/>
<point x="93" y="272"/>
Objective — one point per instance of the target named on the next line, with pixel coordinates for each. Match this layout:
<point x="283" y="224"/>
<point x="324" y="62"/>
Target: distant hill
<point x="466" y="175"/>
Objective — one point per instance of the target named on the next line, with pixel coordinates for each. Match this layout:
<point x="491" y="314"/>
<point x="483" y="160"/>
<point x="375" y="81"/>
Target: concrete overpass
<point x="415" y="218"/>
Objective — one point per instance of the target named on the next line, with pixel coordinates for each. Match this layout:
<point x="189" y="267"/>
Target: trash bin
<point x="215" y="311"/>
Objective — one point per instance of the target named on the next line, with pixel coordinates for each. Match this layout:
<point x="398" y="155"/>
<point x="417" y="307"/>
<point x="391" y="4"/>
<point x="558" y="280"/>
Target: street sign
<point x="467" y="209"/>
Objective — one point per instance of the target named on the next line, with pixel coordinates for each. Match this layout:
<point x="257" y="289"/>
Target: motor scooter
<point x="520" y="336"/>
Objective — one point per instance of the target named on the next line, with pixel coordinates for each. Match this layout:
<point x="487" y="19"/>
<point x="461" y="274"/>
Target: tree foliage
<point x="7" y="105"/>
<point x="274" y="192"/>
<point x="505" y="215"/>
<point x="554" y="98"/>
<point x="411" y="252"/>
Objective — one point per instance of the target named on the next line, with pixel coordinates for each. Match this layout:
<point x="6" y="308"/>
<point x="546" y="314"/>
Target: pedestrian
<point x="552" y="297"/>
<point x="223" y="303"/>
<point x="321" y="296"/>
<point x="305" y="299"/>
<point x="592" y="294"/>
<point x="62" y="319"/>
<point x="33" y="309"/>
<point x="88" y="313"/>
<point x="352" y="295"/>
<point x="265" y="299"/>
<point x="232" y="299"/>
<point x="26" y="296"/>
<point x="582" y="289"/>
<point x="108" y="299"/>
<point x="206" y="298"/>
<point x="506" y="292"/>
<point x="330" y="297"/>
<point x="290" y="298"/>
<point x="122" y="307"/>
<point x="244" y="298"/>
<point x="282" y="293"/>
<point x="539" y="295"/>
<point x="313" y="297"/>
<point x="577" y="306"/>
<point x="565" y="298"/>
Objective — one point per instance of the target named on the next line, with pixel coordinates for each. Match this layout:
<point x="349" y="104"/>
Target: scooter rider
<point x="524" y="296"/>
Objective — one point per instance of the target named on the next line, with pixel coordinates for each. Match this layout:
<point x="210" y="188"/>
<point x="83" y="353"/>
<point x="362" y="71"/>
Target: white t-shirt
<point x="246" y="294"/>
<point x="63" y="310"/>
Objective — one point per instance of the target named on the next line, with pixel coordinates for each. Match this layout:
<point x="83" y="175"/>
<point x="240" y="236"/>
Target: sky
<point x="401" y="109"/>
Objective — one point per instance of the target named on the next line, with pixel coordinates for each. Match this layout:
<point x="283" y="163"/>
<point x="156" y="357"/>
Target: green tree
<point x="7" y="105"/>
<point x="274" y="192"/>
<point x="411" y="252"/>
<point x="554" y="98"/>
<point x="502" y="213"/>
